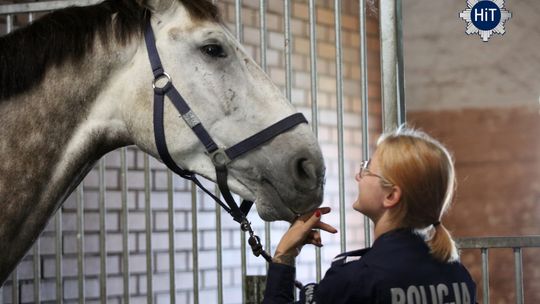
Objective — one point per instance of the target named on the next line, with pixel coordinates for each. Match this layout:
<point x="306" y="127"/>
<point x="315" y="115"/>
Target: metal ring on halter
<point x="219" y="158"/>
<point x="245" y="226"/>
<point x="163" y="88"/>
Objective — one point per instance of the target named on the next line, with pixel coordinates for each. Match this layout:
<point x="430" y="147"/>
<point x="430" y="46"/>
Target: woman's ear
<point x="393" y="197"/>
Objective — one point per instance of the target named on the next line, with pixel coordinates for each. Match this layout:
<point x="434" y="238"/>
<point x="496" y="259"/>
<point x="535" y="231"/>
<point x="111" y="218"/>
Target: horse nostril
<point x="305" y="173"/>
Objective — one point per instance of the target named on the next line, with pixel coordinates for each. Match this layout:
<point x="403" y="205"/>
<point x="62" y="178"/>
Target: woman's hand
<point x="301" y="232"/>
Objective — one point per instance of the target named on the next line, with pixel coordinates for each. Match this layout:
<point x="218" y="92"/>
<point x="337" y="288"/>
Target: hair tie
<point x="437" y="223"/>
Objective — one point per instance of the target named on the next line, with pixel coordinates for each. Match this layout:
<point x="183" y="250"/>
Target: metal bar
<point x="288" y="41"/>
<point x="518" y="262"/>
<point x="80" y="242"/>
<point x="36" y="261"/>
<point x="14" y="275"/>
<point x="195" y="243"/>
<point x="364" y="103"/>
<point x="243" y="266"/>
<point x="240" y="37"/>
<point x="313" y="67"/>
<point x="15" y="286"/>
<point x="263" y="33"/>
<point x="238" y="18"/>
<point x="314" y="101"/>
<point x="9" y="24"/>
<point x="58" y="255"/>
<point x="263" y="45"/>
<point x="148" y="234"/>
<point x="125" y="223"/>
<point x="37" y="276"/>
<point x="33" y="7"/>
<point x="401" y="109"/>
<point x="172" y="264"/>
<point x="339" y="95"/>
<point x="485" y="275"/>
<point x="499" y="242"/>
<point x="102" y="234"/>
<point x="387" y="23"/>
<point x="219" y="250"/>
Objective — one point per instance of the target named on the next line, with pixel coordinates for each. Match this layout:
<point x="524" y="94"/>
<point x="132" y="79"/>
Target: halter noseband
<point x="220" y="157"/>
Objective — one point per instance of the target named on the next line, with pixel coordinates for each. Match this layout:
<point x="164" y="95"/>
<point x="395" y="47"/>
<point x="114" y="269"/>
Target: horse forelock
<point x="68" y="35"/>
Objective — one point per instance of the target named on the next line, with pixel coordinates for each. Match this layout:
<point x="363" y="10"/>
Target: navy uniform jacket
<point x="397" y="269"/>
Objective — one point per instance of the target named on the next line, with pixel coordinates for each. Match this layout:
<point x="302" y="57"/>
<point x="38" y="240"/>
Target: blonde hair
<point x="424" y="170"/>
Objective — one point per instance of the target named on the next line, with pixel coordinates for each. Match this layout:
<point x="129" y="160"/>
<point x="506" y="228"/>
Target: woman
<point x="404" y="189"/>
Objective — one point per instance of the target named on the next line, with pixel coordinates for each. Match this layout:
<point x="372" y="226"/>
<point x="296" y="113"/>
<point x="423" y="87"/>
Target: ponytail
<point x="442" y="246"/>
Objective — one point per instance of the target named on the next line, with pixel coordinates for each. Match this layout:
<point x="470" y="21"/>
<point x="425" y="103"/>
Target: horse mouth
<point x="271" y="205"/>
<point x="270" y="202"/>
<point x="278" y="193"/>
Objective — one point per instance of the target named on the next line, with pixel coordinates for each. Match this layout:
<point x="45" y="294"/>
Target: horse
<point x="77" y="84"/>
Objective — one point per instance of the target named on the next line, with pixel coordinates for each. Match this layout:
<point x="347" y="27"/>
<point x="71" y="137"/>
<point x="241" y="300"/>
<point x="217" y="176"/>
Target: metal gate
<point x="133" y="232"/>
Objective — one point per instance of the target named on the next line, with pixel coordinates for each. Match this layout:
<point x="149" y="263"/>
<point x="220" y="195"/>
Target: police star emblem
<point x="485" y="17"/>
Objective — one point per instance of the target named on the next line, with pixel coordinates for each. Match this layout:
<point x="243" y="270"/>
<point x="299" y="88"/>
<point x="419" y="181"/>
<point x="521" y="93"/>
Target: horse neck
<point x="50" y="138"/>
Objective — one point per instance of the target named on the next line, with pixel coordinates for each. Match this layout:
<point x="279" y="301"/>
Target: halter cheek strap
<point x="220" y="157"/>
<point x="187" y="115"/>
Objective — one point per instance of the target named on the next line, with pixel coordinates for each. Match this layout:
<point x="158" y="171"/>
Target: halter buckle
<point x="219" y="158"/>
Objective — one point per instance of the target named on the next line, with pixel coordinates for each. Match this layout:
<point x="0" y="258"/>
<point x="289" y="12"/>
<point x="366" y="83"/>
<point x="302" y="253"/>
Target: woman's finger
<point x="314" y="238"/>
<point x="326" y="227"/>
<point x="305" y="217"/>
<point x="314" y="221"/>
<point x="325" y="210"/>
<point x="313" y="235"/>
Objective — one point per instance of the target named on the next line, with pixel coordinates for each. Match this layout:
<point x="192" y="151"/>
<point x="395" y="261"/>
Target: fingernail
<point x="318" y="213"/>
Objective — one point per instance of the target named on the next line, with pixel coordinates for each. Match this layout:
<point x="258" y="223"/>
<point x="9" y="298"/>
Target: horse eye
<point x="213" y="50"/>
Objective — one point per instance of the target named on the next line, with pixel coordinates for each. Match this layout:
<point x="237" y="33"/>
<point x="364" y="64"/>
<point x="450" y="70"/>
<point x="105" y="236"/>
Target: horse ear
<point x="157" y="6"/>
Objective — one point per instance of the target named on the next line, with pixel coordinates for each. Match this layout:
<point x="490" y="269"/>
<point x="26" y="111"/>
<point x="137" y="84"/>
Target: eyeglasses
<point x="364" y="171"/>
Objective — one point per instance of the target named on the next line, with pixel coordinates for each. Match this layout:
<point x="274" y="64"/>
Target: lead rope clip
<point x="254" y="241"/>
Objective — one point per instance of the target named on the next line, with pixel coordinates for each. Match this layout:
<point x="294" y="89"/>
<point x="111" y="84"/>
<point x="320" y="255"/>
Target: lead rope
<point x="254" y="240"/>
<point x="255" y="243"/>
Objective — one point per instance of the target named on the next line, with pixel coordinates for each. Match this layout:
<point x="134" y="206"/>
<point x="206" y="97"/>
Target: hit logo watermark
<point x="485" y="17"/>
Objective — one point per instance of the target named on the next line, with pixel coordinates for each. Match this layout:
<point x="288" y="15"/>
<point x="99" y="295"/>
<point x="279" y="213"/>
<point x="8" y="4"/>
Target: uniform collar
<point x="355" y="255"/>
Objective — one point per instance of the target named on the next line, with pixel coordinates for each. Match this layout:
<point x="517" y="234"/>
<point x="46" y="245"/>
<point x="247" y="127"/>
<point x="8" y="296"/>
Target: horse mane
<point x="69" y="34"/>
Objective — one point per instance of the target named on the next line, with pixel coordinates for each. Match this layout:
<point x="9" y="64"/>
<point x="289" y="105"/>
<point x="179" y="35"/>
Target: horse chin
<point x="270" y="213"/>
<point x="270" y="207"/>
<point x="274" y="204"/>
<point x="268" y="202"/>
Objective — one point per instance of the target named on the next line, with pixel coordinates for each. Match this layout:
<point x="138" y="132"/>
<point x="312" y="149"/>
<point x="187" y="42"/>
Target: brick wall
<point x="498" y="171"/>
<point x="328" y="137"/>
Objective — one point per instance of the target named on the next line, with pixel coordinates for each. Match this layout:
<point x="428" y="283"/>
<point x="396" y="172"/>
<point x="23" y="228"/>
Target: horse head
<point x="77" y="83"/>
<point x="233" y="98"/>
